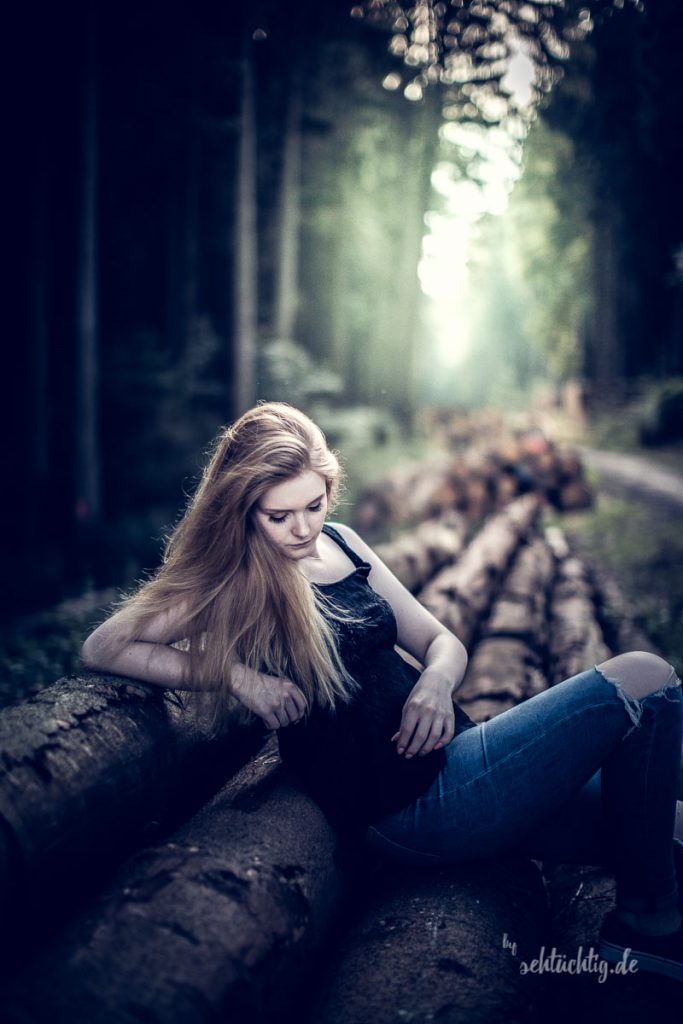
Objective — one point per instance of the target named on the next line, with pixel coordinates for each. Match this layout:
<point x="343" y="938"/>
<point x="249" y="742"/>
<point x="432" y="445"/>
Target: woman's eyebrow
<point x="279" y="511"/>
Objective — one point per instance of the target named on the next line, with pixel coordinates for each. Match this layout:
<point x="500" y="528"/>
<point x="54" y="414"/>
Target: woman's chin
<point x="297" y="551"/>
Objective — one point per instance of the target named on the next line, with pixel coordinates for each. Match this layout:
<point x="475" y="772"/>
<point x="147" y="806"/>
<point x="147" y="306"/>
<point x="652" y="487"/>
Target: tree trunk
<point x="87" y="506"/>
<point x="287" y="266"/>
<point x="245" y="272"/>
<point x="182" y="274"/>
<point x="422" y="149"/>
<point x="607" y="351"/>
<point x="38" y="424"/>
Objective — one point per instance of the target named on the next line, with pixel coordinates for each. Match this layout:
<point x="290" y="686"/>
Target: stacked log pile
<point x="460" y="594"/>
<point x="250" y="908"/>
<point x="476" y="482"/>
<point x="416" y="556"/>
<point x="507" y="664"/>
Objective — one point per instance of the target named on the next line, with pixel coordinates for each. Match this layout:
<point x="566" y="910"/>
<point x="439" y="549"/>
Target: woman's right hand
<point x="275" y="699"/>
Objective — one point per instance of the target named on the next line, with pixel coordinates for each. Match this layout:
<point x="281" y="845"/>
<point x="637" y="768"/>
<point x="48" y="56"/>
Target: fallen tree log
<point x="437" y="944"/>
<point x="406" y="494"/>
<point x="580" y="895"/>
<point x="89" y="768"/>
<point x="460" y="595"/>
<point x="416" y="555"/>
<point x="576" y="639"/>
<point x="501" y="672"/>
<point x="222" y="921"/>
<point x="506" y="666"/>
<point x="227" y="918"/>
<point x="521" y="609"/>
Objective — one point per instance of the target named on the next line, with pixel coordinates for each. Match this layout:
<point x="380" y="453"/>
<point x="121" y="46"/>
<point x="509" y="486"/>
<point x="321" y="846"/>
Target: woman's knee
<point x="639" y="673"/>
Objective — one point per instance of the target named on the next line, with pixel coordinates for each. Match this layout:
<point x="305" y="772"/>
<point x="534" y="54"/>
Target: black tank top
<point x="345" y="757"/>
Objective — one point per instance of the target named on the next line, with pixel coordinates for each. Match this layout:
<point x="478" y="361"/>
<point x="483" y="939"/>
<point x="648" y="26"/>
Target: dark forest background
<point x="213" y="203"/>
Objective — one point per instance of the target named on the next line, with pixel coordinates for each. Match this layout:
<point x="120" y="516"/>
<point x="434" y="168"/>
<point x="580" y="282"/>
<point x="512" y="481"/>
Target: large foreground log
<point x="437" y="945"/>
<point x="223" y="921"/>
<point x="460" y="595"/>
<point x="89" y="768"/>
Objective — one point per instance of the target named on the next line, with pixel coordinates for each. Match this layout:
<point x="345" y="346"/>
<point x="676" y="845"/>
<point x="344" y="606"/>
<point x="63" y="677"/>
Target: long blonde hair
<point x="244" y="601"/>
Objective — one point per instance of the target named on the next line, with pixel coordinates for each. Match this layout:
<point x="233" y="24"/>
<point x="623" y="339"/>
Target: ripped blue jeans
<point x="580" y="773"/>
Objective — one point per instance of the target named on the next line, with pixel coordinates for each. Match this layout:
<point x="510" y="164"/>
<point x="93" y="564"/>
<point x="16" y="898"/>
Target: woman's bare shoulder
<point x="356" y="543"/>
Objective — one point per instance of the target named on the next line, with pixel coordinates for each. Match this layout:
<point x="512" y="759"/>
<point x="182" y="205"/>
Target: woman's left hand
<point x="428" y="719"/>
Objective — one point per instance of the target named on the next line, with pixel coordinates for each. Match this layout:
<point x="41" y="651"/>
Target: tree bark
<point x="88" y="768"/>
<point x="223" y="921"/>
<point x="416" y="555"/>
<point x="576" y="640"/>
<point x="430" y="946"/>
<point x="460" y="595"/>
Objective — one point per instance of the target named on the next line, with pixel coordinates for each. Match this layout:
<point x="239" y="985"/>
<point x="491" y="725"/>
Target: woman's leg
<point x="508" y="775"/>
<point x="627" y="813"/>
<point x="575" y="832"/>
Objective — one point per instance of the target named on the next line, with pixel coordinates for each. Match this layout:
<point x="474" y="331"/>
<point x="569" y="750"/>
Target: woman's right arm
<point x="278" y="701"/>
<point x="150" y="658"/>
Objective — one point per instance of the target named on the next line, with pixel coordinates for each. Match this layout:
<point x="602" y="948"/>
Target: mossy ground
<point x="640" y="543"/>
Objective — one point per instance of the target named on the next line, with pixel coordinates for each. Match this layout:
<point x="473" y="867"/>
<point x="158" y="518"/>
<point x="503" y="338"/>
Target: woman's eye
<point x="277" y="519"/>
<point x="315" y="508"/>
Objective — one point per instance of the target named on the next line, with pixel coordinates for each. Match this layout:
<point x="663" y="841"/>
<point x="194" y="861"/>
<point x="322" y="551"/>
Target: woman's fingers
<point x="424" y="738"/>
<point x="282" y="704"/>
<point x="416" y="725"/>
<point x="294" y="700"/>
<point x="270" y="720"/>
<point x="297" y="698"/>
<point x="421" y="733"/>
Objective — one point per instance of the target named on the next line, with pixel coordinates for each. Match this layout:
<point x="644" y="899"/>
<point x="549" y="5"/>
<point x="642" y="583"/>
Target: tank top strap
<point x="349" y="552"/>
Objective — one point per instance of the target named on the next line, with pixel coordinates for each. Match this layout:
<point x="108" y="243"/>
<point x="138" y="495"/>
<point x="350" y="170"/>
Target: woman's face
<point x="291" y="514"/>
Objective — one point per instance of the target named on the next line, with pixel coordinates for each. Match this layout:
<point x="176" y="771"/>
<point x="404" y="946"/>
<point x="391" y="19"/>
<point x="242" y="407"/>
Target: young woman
<point x="298" y="620"/>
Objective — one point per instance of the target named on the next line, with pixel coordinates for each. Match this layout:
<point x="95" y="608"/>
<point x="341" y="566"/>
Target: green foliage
<point x="160" y="412"/>
<point x="661" y="412"/>
<point x="287" y="373"/>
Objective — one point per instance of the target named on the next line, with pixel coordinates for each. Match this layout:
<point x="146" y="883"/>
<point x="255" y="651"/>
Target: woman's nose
<point x="301" y="528"/>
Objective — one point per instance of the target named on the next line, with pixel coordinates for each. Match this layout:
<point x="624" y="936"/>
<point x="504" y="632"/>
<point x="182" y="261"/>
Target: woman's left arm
<point x="428" y="720"/>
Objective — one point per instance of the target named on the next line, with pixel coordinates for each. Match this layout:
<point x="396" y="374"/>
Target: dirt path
<point x="637" y="475"/>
